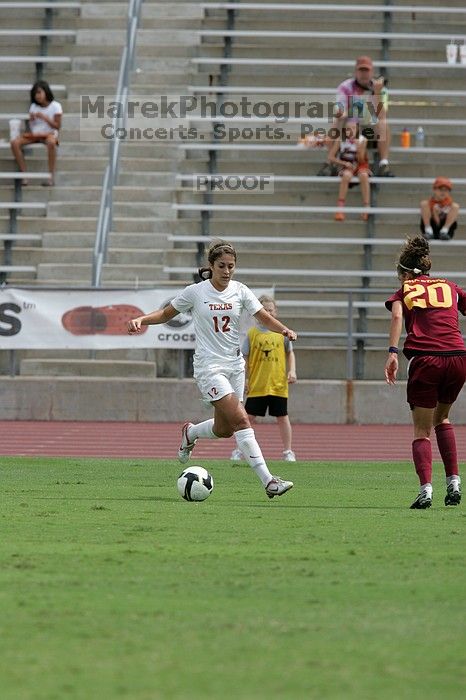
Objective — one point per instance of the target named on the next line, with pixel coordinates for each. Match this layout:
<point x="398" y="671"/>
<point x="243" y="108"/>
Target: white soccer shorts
<point x="214" y="383"/>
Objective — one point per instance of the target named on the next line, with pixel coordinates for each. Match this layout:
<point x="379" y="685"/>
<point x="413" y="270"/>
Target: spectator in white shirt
<point x="45" y="115"/>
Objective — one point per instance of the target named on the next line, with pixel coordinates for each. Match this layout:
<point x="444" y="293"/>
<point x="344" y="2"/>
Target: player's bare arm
<point x="291" y="367"/>
<point x="391" y="365"/>
<point x="159" y="316"/>
<point x="273" y="324"/>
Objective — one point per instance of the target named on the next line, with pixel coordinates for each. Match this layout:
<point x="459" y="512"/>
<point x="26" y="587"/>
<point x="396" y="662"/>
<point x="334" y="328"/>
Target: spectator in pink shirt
<point x="365" y="99"/>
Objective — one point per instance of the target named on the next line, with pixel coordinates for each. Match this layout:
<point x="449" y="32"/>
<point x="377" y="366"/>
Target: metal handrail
<point x="110" y="178"/>
<point x="355" y="339"/>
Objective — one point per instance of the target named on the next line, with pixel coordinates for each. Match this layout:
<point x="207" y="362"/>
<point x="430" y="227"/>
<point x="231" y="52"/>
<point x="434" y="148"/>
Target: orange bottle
<point x="405" y="138"/>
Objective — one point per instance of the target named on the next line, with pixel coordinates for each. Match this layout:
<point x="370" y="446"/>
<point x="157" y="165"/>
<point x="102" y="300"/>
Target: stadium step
<point x="88" y="368"/>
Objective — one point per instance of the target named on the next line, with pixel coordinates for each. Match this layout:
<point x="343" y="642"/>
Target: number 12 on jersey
<point x="221" y="325"/>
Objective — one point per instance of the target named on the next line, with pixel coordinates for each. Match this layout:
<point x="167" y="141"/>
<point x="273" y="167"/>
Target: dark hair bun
<point x="205" y="273"/>
<point x="419" y="245"/>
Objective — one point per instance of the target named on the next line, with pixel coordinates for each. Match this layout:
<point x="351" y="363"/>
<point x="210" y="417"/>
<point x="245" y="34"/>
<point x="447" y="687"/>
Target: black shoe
<point x="422" y="502"/>
<point x="453" y="497"/>
<point x="328" y="170"/>
<point x="384" y="171"/>
<point x="428" y="235"/>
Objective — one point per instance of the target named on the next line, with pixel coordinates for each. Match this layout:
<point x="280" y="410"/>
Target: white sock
<point x="455" y="480"/>
<point x="247" y="443"/>
<point x="444" y="229"/>
<point x="202" y="430"/>
<point x="383" y="161"/>
<point x="429" y="230"/>
<point x="427" y="489"/>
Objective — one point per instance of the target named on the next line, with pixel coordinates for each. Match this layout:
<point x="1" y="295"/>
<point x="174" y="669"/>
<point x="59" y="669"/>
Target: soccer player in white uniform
<point x="216" y="305"/>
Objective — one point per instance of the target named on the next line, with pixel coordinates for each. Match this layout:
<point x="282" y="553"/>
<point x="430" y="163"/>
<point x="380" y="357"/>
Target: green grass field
<point x="112" y="586"/>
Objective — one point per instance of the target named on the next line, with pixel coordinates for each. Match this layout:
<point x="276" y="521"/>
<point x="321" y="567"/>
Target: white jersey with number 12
<point x="216" y="316"/>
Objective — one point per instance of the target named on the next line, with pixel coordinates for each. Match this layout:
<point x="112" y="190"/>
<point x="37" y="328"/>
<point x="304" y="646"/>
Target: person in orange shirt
<point x="439" y="213"/>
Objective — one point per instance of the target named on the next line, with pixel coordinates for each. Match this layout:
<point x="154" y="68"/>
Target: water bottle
<point x="420" y="137"/>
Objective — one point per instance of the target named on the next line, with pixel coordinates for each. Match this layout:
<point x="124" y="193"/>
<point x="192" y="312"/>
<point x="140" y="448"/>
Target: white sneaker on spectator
<point x="289" y="456"/>
<point x="236" y="455"/>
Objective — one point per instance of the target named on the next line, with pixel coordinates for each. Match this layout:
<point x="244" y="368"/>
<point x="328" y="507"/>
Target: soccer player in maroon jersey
<point x="436" y="352"/>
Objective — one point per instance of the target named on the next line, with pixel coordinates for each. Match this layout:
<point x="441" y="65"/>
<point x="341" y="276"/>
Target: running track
<point x="161" y="440"/>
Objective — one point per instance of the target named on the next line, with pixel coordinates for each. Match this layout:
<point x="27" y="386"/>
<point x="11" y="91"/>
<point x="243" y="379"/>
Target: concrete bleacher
<point x="282" y="51"/>
<point x="158" y="217"/>
<point x="143" y="217"/>
<point x="291" y="36"/>
<point x="348" y="8"/>
<point x="30" y="46"/>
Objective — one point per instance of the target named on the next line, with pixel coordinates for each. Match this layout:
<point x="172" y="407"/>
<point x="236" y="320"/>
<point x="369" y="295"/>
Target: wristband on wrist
<point x="392" y="348"/>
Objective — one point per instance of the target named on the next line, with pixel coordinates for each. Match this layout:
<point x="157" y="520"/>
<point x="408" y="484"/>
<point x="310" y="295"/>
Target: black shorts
<point x="258" y="405"/>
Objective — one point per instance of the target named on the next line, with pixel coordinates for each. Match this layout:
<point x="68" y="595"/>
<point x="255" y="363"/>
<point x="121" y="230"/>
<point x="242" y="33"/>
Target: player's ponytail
<point x="205" y="273"/>
<point x="415" y="257"/>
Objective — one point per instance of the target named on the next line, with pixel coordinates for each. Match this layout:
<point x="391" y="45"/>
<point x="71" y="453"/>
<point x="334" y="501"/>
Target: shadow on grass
<point x="329" y="506"/>
<point x="105" y="498"/>
<point x="170" y="499"/>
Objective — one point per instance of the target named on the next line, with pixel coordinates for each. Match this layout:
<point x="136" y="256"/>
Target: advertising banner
<point x="38" y="319"/>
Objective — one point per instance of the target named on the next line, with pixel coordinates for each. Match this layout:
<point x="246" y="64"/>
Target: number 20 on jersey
<point x="425" y="296"/>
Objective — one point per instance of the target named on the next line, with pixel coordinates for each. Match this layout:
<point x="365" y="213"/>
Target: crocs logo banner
<point x="87" y="319"/>
<point x="100" y="320"/>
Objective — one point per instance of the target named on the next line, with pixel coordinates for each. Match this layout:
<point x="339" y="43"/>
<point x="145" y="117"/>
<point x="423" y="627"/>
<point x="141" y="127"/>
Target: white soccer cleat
<point x="186" y="447"/>
<point x="423" y="500"/>
<point x="236" y="455"/>
<point x="277" y="487"/>
<point x="289" y="456"/>
<point x="453" y="497"/>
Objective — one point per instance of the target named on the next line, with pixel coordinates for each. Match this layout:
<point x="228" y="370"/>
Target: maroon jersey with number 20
<point x="430" y="311"/>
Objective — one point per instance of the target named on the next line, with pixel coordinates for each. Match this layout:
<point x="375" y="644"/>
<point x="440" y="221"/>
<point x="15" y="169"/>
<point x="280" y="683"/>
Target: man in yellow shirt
<point x="270" y="367"/>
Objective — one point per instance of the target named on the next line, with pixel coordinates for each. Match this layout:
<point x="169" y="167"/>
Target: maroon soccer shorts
<point x="435" y="379"/>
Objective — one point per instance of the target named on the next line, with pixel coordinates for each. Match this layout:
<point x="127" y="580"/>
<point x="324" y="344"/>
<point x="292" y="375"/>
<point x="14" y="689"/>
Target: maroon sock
<point x="422" y="456"/>
<point x="447" y="447"/>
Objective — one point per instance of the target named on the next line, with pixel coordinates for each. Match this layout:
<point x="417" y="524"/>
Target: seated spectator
<point x="439" y="213"/>
<point x="45" y="115"/>
<point x="349" y="155"/>
<point x="366" y="99"/>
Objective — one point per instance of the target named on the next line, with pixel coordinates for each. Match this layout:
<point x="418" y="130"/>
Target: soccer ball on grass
<point x="195" y="484"/>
